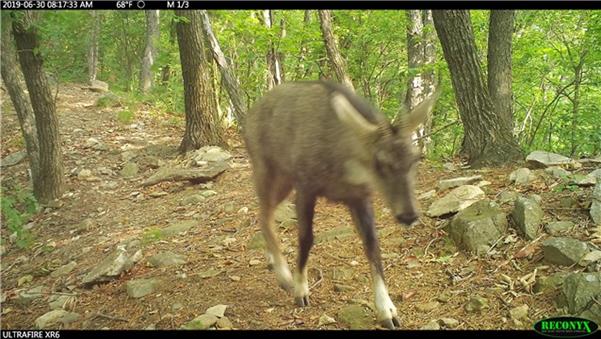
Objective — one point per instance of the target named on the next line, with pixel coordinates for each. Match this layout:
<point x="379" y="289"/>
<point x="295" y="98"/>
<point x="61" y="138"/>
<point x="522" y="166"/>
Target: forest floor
<point x="427" y="276"/>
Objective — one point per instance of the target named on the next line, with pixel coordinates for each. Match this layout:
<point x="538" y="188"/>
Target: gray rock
<point x="595" y="210"/>
<point x="56" y="317"/>
<point x="192" y="199"/>
<point x="217" y="310"/>
<point x="119" y="261"/>
<point x="449" y="322"/>
<point x="13" y="159"/>
<point x="590" y="179"/>
<point x="356" y="317"/>
<point x="476" y="304"/>
<point x="224" y="323"/>
<point x="325" y="320"/>
<point x="564" y="251"/>
<point x="141" y="287"/>
<point x="580" y="290"/>
<point x="482" y="223"/>
<point x="257" y="241"/>
<point x="98" y="86"/>
<point x="456" y="182"/>
<point x="285" y="212"/>
<point x="549" y="283"/>
<point x="527" y="216"/>
<point x="427" y="195"/>
<point x="456" y="200"/>
<point x="128" y="156"/>
<point x="209" y="154"/>
<point x="536" y="198"/>
<point x="26" y="297"/>
<point x="522" y="176"/>
<point x="508" y="196"/>
<point x="433" y="325"/>
<point x="179" y="227"/>
<point x="519" y="312"/>
<point x="208" y="193"/>
<point x="84" y="173"/>
<point x="542" y="159"/>
<point x="427" y="307"/>
<point x="558" y="172"/>
<point x="558" y="227"/>
<point x="63" y="270"/>
<point x="129" y="170"/>
<point x="164" y="259"/>
<point x="589" y="258"/>
<point x="202" y="322"/>
<point x="340" y="232"/>
<point x="57" y="302"/>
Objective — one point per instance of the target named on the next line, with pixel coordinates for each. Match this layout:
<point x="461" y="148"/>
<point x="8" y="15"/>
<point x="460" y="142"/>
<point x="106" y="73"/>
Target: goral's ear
<point x="418" y="115"/>
<point x="349" y="116"/>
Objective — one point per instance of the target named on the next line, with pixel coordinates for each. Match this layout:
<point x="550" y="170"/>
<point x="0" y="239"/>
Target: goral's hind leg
<point x="305" y="205"/>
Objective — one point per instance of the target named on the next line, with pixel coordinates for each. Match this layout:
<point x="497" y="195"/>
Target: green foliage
<point x="547" y="47"/>
<point x="152" y="235"/>
<point x="125" y="116"/>
<point x="17" y="207"/>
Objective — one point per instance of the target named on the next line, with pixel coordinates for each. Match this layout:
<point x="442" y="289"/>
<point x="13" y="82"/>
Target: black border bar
<point x="292" y="4"/>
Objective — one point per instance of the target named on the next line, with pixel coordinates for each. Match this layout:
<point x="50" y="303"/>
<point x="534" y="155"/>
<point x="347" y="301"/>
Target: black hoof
<point x="391" y="324"/>
<point x="270" y="267"/>
<point x="302" y="301"/>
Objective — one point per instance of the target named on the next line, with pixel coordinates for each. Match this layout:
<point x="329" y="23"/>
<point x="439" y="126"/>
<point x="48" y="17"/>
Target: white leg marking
<point x="385" y="308"/>
<point x="282" y="273"/>
<point x="301" y="285"/>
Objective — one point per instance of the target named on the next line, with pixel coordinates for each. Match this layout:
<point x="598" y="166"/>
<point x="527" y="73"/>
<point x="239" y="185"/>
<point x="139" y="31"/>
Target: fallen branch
<point x="110" y="317"/>
<point x="198" y="175"/>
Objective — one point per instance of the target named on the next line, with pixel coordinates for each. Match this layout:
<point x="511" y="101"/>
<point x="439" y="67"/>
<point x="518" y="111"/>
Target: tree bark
<point x="488" y="140"/>
<point x="230" y="81"/>
<point x="93" y="47"/>
<point x="11" y="78"/>
<point x="150" y="51"/>
<point x="51" y="180"/>
<point x="500" y="78"/>
<point x="202" y="129"/>
<point x="274" y="70"/>
<point x="303" y="70"/>
<point x="336" y="60"/>
<point x="421" y="82"/>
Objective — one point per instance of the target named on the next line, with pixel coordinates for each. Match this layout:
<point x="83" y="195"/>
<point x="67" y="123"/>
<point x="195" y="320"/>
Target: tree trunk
<point x="576" y="104"/>
<point x="274" y="70"/>
<point x="150" y="51"/>
<point x="421" y="52"/>
<point x="93" y="47"/>
<point x="500" y="32"/>
<point x="230" y="81"/>
<point x="51" y="183"/>
<point x="487" y="139"/>
<point x="336" y="60"/>
<point x="11" y="78"/>
<point x="303" y="70"/>
<point x="201" y="127"/>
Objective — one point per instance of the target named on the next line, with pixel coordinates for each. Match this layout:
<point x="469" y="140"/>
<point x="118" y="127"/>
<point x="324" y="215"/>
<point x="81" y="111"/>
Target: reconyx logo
<point x="569" y="327"/>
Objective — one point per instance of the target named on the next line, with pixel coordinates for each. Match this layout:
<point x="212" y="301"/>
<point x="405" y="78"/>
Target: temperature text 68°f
<point x="178" y="4"/>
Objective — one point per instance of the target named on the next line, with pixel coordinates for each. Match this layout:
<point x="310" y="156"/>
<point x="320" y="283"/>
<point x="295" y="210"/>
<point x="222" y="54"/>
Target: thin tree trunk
<point x="487" y="140"/>
<point x="576" y="105"/>
<point x="302" y="70"/>
<point x="336" y="60"/>
<point x="500" y="78"/>
<point x="93" y="47"/>
<point x="150" y="51"/>
<point x="421" y="52"/>
<point x="51" y="164"/>
<point x="274" y="71"/>
<point x="201" y="127"/>
<point x="230" y="81"/>
<point x="11" y="78"/>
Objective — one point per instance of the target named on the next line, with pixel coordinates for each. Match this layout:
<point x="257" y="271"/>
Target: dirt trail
<point x="102" y="210"/>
